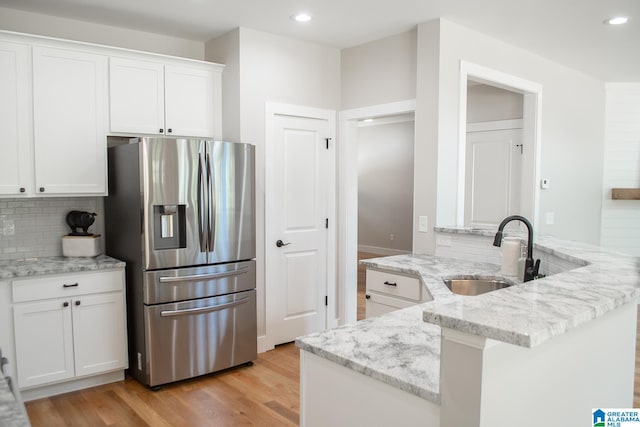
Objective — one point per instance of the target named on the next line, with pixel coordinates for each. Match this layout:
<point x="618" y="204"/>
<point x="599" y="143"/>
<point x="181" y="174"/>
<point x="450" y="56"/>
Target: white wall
<point x="379" y="72"/>
<point x="568" y="132"/>
<point x="53" y="26"/>
<point x="272" y="68"/>
<point x="226" y="50"/>
<point x="621" y="218"/>
<point x="385" y="186"/>
<point x="425" y="188"/>
<point x="487" y="103"/>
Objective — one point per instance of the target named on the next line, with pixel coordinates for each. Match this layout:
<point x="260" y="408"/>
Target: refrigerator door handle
<point x="201" y="310"/>
<point x="170" y="279"/>
<point x="202" y="188"/>
<point x="212" y="204"/>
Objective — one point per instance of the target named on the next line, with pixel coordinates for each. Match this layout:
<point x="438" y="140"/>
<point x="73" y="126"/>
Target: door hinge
<point x="326" y="223"/>
<point x="326" y="300"/>
<point x="327" y="141"/>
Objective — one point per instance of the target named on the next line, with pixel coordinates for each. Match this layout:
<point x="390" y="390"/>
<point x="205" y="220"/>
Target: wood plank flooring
<point x="266" y="394"/>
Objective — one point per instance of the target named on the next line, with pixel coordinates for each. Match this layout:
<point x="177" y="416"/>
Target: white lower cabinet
<point x="392" y="291"/>
<point x="79" y="332"/>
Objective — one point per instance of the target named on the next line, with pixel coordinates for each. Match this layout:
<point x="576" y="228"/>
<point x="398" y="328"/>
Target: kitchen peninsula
<point x="550" y="349"/>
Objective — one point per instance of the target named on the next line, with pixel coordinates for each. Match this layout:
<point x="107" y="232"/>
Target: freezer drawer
<point x="183" y="284"/>
<point x="192" y="338"/>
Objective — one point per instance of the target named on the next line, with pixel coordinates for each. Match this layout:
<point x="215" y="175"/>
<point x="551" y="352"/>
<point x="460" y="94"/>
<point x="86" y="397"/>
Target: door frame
<point x="347" y="310"/>
<point x="273" y="109"/>
<point x="531" y="132"/>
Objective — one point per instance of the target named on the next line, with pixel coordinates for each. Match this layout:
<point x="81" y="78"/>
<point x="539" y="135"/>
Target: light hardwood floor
<point x="266" y="394"/>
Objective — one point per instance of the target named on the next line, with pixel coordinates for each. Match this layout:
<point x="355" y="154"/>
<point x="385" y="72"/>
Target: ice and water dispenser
<point x="169" y="226"/>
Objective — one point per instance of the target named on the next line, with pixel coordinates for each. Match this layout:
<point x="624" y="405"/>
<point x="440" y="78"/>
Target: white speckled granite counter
<point x="529" y="314"/>
<point x="56" y="265"/>
<point x="398" y="348"/>
<point x="402" y="351"/>
<point x="10" y="413"/>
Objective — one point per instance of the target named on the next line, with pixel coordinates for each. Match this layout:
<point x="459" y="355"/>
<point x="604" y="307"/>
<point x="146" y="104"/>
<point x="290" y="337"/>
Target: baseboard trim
<point x="71" y="385"/>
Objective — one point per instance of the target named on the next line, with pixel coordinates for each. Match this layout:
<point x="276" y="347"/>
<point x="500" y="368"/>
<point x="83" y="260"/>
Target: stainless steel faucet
<point x="531" y="267"/>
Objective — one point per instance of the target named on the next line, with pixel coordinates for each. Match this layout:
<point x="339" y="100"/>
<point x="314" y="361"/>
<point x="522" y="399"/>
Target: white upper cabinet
<point x="15" y="143"/>
<point x="153" y="98"/>
<point x="69" y="112"/>
<point x="136" y="96"/>
<point x="59" y="100"/>
<point x="189" y="94"/>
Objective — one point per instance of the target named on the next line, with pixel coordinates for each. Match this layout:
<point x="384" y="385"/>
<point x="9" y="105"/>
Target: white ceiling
<point x="566" y="31"/>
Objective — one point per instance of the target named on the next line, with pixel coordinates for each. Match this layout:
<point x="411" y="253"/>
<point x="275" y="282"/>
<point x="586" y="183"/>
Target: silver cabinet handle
<point x="201" y="310"/>
<point x="218" y="275"/>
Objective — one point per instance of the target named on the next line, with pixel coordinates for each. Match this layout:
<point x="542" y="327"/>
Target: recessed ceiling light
<point x="617" y="20"/>
<point x="301" y="17"/>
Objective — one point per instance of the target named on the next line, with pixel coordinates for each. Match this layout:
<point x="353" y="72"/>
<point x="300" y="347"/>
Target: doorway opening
<point x="348" y="156"/>
<point x="385" y="190"/>
<point x="497" y="153"/>
<point x="494" y="155"/>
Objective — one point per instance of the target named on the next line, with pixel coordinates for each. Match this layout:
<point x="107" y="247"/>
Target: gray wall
<point x="567" y="131"/>
<point x="53" y="26"/>
<point x="379" y="72"/>
<point x="385" y="186"/>
<point x="487" y="103"/>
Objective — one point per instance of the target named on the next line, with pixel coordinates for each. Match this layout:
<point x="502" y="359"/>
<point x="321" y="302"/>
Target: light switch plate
<point x="423" y="224"/>
<point x="550" y="218"/>
<point x="545" y="183"/>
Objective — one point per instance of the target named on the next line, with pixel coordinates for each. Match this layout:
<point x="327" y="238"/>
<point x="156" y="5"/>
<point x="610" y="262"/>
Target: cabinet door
<point x="99" y="333"/>
<point x="44" y="342"/>
<point x="136" y="96"/>
<point x="69" y="106"/>
<point x="15" y="143"/>
<point x="189" y="105"/>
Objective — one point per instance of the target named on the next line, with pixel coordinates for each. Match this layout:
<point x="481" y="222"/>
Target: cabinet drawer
<point x="377" y="305"/>
<point x="67" y="285"/>
<point x="394" y="284"/>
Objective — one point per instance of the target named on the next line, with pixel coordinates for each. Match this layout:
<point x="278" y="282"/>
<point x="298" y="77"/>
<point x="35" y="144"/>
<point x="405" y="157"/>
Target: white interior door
<point x="493" y="176"/>
<point x="297" y="214"/>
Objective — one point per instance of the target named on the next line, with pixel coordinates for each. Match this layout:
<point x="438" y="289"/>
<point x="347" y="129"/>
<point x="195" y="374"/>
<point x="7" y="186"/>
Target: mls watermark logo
<point x="615" y="417"/>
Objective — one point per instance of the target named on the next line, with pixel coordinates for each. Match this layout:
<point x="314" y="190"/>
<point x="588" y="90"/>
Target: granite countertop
<point x="534" y="312"/>
<point x="11" y="414"/>
<point x="55" y="265"/>
<point x="400" y="349"/>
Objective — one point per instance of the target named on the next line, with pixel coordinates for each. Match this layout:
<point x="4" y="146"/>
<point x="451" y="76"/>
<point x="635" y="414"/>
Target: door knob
<point x="280" y="243"/>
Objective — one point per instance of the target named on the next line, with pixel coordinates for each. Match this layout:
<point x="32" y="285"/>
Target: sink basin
<point x="473" y="287"/>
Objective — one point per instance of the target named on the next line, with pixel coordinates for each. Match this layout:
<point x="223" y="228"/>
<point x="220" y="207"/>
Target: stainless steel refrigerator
<point x="180" y="212"/>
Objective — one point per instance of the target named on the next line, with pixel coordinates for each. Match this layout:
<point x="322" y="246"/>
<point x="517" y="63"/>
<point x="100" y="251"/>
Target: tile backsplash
<point x="39" y="224"/>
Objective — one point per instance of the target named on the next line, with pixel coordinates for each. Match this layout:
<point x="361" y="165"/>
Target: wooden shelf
<point x="625" y="193"/>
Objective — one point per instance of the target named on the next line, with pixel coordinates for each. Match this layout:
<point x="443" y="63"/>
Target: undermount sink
<point x="472" y="287"/>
